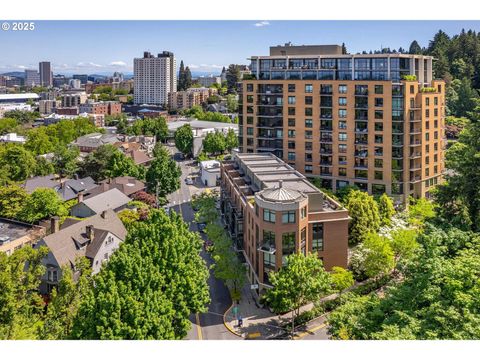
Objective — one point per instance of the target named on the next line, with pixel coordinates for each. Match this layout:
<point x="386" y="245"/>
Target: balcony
<point x="415" y="131"/>
<point x="415" y="167"/>
<point x="416" y="143"/>
<point x="361" y="130"/>
<point x="415" y="178"/>
<point x="361" y="154"/>
<point x="326" y="151"/>
<point x="415" y="155"/>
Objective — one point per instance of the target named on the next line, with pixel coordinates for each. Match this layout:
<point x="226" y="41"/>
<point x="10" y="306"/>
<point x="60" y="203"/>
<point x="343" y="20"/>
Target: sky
<point x="102" y="47"/>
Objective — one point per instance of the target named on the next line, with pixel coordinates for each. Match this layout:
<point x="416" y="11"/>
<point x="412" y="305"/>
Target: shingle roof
<point x="70" y="188"/>
<point x="110" y="199"/>
<point x="47" y="181"/>
<point x="126" y="184"/>
<point x="62" y="244"/>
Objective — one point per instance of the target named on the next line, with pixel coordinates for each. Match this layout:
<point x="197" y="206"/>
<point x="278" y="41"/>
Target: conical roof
<point x="280" y="194"/>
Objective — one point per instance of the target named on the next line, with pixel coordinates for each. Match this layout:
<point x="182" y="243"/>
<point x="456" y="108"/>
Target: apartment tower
<point x="45" y="70"/>
<point x="374" y="121"/>
<point x="154" y="78"/>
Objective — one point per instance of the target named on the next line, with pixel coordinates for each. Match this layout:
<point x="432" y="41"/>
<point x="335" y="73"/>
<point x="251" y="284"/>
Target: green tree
<point x="8" y="125"/>
<point x="342" y="279"/>
<point x="404" y="244"/>
<point x="232" y="103"/>
<point x="231" y="140"/>
<point x="43" y="167"/>
<point x="420" y="211"/>
<point x="65" y="301"/>
<point x="12" y="199"/>
<point x="184" y="139"/>
<point x="18" y="162"/>
<point x="38" y="142"/>
<point x="65" y="160"/>
<point x="163" y="175"/>
<point x="233" y="77"/>
<point x="41" y="204"/>
<point x="214" y="143"/>
<point x="415" y="48"/>
<point x="150" y="285"/>
<point x="20" y="303"/>
<point x="302" y="280"/>
<point x="363" y="210"/>
<point x="379" y="258"/>
<point x="385" y="210"/>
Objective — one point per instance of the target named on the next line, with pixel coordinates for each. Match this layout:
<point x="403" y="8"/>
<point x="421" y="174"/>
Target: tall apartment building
<point x="45" y="70"/>
<point x="272" y="211"/>
<point x="190" y="97"/>
<point x="374" y="121"/>
<point x="71" y="100"/>
<point x="154" y="78"/>
<point x="32" y="78"/>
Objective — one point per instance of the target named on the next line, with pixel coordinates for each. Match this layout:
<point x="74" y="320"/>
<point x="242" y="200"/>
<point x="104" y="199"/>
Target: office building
<point x="45" y="70"/>
<point x="272" y="211"/>
<point x="32" y="78"/>
<point x="154" y="78"/>
<point x="83" y="78"/>
<point x="374" y="121"/>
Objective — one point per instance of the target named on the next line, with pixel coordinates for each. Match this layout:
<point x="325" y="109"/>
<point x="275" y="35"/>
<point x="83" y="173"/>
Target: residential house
<point x="128" y="185"/>
<point x="95" y="238"/>
<point x="112" y="199"/>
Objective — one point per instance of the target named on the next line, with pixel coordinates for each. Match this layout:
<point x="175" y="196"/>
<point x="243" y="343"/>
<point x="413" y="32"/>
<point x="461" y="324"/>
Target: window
<point x="342" y="136"/>
<point x="291" y="100"/>
<point x="378" y="163"/>
<point x="303" y="212"/>
<point x="308" y="100"/>
<point x="378" y="189"/>
<point x="309" y="88"/>
<point x="268" y="260"/>
<point x="378" y="139"/>
<point x="308" y="146"/>
<point x="342" y="160"/>
<point x="342" y="89"/>
<point x="250" y="131"/>
<point x="291" y="122"/>
<point x="342" y="148"/>
<point x="342" y="171"/>
<point x="317" y="237"/>
<point x="435" y="100"/>
<point x="288" y="245"/>
<point x="269" y="215"/>
<point x="427" y="101"/>
<point x="308" y="134"/>
<point x="378" y="114"/>
<point x="378" y="126"/>
<point x="379" y="89"/>
<point x="342" y="124"/>
<point x="288" y="217"/>
<point x="308" y="157"/>
<point x="249" y="120"/>
<point x="291" y="111"/>
<point x="378" y="175"/>
<point x="291" y="133"/>
<point x="291" y="145"/>
<point x="291" y="87"/>
<point x="308" y="169"/>
<point x="378" y="102"/>
<point x="291" y="156"/>
<point x="249" y="98"/>
<point x="342" y="101"/>
<point x="342" y="113"/>
<point x="427" y="113"/>
<point x="308" y="111"/>
<point x="249" y="87"/>
<point x="308" y="123"/>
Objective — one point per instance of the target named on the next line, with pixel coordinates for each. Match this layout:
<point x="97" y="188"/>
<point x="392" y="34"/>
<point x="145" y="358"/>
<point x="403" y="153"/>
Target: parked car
<point x="189" y="181"/>
<point x="201" y="227"/>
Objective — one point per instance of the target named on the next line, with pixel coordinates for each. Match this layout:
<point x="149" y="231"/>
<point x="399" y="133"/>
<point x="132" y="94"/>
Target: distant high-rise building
<point x="45" y="70"/>
<point x="154" y="78"/>
<point x="32" y="78"/>
<point x="83" y="78"/>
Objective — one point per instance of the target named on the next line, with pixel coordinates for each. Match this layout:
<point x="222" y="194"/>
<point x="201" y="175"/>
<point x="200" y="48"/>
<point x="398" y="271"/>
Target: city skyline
<point x="103" y="47"/>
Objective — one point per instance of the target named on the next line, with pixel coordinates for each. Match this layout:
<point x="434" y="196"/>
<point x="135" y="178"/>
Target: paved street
<point x="205" y="326"/>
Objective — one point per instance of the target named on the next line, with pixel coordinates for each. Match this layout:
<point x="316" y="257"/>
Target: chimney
<point x="280" y="184"/>
<point x="104" y="214"/>
<point x="80" y="196"/>
<point x="54" y="224"/>
<point x="90" y="232"/>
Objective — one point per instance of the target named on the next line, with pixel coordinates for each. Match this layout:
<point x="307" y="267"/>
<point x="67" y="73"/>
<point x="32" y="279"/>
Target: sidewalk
<point x="261" y="324"/>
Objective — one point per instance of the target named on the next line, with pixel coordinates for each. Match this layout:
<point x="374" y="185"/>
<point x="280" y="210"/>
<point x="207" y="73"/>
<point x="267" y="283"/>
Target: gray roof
<point x="126" y="184"/>
<point x="64" y="244"/>
<point x="96" y="140"/>
<point x="70" y="188"/>
<point x="280" y="194"/>
<point x="111" y="199"/>
<point x="47" y="181"/>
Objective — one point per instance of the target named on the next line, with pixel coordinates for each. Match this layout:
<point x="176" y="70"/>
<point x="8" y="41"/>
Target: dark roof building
<point x="112" y="199"/>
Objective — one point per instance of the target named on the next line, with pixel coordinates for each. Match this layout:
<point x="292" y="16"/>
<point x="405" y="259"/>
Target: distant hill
<point x="20" y="74"/>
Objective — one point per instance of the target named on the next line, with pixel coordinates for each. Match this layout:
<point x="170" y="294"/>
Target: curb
<point x="225" y="322"/>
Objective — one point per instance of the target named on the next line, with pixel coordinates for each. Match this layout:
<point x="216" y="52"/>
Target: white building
<point x="75" y="84"/>
<point x="208" y="81"/>
<point x="210" y="172"/>
<point x="13" y="138"/>
<point x="10" y="107"/>
<point x="32" y="78"/>
<point x="154" y="78"/>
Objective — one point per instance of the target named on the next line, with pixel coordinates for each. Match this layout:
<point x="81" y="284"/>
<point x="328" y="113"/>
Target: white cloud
<point x="261" y="24"/>
<point x="118" y="63"/>
<point x="204" y="67"/>
<point x="89" y="64"/>
<point x="21" y="67"/>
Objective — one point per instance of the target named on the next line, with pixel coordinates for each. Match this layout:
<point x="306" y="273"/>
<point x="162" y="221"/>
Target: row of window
<point x="288" y="217"/>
